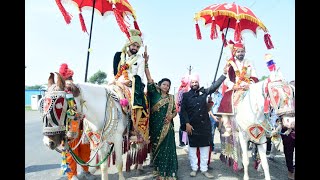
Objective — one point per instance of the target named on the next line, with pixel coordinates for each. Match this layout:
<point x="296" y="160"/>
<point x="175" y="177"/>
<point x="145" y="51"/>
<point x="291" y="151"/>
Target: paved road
<point x="42" y="163"/>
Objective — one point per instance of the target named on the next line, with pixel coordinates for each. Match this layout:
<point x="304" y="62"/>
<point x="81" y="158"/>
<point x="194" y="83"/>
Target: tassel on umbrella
<point x="120" y="21"/>
<point x="214" y="33"/>
<point x="83" y="25"/>
<point x="237" y="33"/>
<point x="267" y="41"/>
<point x="198" y="31"/>
<point x="136" y="26"/>
<point x="65" y="14"/>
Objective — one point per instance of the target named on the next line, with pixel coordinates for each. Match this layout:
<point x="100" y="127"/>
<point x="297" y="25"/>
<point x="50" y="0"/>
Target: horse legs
<point x="245" y="156"/>
<point x="118" y="150"/>
<point x="264" y="162"/>
<point x="104" y="166"/>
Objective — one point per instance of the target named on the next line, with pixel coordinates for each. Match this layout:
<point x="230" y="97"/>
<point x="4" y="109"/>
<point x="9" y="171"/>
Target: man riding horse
<point x="128" y="75"/>
<point x="241" y="73"/>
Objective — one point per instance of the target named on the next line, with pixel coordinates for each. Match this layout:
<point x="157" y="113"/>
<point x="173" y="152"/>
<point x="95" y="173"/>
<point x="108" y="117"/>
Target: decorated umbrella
<point x="230" y="15"/>
<point x="120" y="9"/>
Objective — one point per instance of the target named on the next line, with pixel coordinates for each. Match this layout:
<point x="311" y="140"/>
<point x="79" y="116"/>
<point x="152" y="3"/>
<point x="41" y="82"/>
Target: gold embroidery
<point x="166" y="126"/>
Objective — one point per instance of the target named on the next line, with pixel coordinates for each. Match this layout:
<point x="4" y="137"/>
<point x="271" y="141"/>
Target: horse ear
<point x="51" y="80"/>
<point x="60" y="81"/>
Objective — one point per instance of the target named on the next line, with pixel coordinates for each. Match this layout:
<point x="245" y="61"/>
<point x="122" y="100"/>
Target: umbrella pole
<point x="88" y="54"/>
<point x="221" y="51"/>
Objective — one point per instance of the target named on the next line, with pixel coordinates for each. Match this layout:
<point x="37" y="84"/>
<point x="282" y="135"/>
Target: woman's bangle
<point x="146" y="65"/>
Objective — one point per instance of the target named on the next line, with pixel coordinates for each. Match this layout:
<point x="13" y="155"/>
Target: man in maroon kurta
<point x="241" y="74"/>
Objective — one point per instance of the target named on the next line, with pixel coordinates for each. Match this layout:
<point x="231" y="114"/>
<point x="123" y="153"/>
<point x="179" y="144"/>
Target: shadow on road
<point x="36" y="168"/>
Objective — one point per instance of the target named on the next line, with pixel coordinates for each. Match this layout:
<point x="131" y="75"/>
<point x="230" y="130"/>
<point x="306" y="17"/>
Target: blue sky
<point x="169" y="32"/>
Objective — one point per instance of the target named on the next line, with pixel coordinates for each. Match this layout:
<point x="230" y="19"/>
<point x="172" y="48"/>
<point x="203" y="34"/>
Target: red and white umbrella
<point x="231" y="15"/>
<point x="120" y="9"/>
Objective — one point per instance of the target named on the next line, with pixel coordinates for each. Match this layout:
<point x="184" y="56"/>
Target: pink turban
<point x="194" y="77"/>
<point x="185" y="80"/>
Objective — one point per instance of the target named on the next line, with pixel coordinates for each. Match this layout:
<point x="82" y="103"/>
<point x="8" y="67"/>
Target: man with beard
<point x="128" y="63"/>
<point x="128" y="76"/>
<point x="240" y="75"/>
<point x="194" y="111"/>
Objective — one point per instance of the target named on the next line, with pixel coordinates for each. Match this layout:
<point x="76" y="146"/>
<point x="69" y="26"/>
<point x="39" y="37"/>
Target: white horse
<point x="253" y="123"/>
<point x="103" y="115"/>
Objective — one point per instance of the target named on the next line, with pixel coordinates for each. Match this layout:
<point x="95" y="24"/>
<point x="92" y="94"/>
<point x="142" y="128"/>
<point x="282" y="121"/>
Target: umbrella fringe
<point x="65" y="14"/>
<point x="198" y="31"/>
<point x="239" y="17"/>
<point x="132" y="12"/>
<point x="203" y="13"/>
<point x="253" y="19"/>
<point x="120" y="21"/>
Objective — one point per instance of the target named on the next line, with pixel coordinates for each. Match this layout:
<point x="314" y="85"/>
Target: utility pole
<point x="190" y="69"/>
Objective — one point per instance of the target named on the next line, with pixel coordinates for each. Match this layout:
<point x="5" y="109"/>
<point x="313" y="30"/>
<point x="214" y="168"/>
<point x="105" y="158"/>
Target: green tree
<point x="98" y="78"/>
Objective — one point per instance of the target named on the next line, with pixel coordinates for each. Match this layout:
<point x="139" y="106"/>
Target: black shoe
<point x="182" y="145"/>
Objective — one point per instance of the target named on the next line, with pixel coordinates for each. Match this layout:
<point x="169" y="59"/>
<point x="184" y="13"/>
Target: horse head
<point x="281" y="95"/>
<point x="53" y="111"/>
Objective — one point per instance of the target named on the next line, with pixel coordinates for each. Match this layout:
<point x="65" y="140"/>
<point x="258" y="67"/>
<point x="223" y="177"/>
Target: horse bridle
<point x="53" y="109"/>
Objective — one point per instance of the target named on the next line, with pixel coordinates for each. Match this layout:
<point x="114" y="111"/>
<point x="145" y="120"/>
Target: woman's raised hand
<point x="145" y="55"/>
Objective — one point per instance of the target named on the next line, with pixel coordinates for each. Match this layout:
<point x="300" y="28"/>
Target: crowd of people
<point x="199" y="118"/>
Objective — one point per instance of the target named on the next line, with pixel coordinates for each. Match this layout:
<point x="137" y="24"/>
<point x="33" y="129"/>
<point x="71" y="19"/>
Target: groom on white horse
<point x="128" y="75"/>
<point x="240" y="75"/>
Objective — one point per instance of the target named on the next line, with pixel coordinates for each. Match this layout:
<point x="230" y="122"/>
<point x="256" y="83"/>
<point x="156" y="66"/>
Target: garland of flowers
<point x="123" y="71"/>
<point x="123" y="68"/>
<point x="242" y="76"/>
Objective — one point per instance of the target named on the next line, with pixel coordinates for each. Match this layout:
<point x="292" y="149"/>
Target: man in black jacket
<point x="198" y="126"/>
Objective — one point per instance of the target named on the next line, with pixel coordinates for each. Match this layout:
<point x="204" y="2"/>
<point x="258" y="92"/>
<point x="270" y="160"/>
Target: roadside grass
<point x="28" y="108"/>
